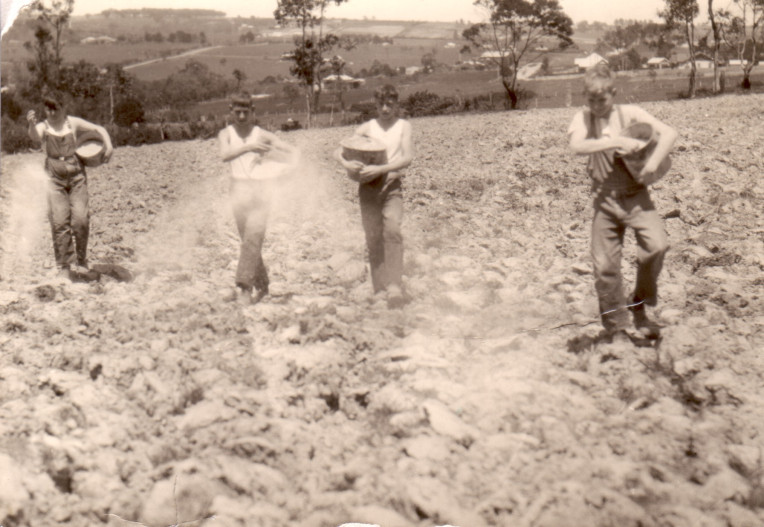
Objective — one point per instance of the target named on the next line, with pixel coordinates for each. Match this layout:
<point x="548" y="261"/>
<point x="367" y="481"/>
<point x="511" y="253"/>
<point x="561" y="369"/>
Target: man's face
<point x="600" y="102"/>
<point x="242" y="114"/>
<point x="387" y="108"/>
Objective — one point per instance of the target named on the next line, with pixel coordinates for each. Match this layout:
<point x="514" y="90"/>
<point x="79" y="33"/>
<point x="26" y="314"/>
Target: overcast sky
<point x="431" y="10"/>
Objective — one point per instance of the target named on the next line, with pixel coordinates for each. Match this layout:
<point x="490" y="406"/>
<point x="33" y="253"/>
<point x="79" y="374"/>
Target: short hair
<point x="388" y="92"/>
<point x="53" y="101"/>
<point x="242" y="99"/>
<point x="599" y="78"/>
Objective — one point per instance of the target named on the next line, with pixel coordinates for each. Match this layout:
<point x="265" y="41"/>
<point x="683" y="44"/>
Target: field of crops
<point x="485" y="401"/>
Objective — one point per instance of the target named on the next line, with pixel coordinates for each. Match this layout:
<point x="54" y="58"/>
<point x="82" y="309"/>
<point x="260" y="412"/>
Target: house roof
<point x="590" y="60"/>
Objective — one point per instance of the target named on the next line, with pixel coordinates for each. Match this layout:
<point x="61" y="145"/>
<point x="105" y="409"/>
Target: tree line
<point x="513" y="33"/>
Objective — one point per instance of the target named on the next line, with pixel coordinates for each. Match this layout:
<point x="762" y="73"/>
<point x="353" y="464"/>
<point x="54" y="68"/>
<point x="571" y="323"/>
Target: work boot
<point x="646" y="327"/>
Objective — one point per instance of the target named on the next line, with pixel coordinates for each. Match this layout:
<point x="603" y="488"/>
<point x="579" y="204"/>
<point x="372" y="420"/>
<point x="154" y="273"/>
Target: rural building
<point x="450" y="45"/>
<point x="98" y="40"/>
<point x="702" y="62"/>
<point x="331" y="81"/>
<point x="492" y="54"/>
<point x="530" y="70"/>
<point x="584" y="63"/>
<point x="658" y="62"/>
<point x="411" y="70"/>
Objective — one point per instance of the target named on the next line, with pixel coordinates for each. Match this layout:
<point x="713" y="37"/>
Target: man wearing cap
<point x="68" y="190"/>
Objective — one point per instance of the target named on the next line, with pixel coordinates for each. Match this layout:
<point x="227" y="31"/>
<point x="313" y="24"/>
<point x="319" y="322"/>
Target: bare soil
<point x="486" y="400"/>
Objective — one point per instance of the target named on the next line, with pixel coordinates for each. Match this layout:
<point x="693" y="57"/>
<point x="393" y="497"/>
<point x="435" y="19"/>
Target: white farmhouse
<point x="584" y="63"/>
<point x="658" y="62"/>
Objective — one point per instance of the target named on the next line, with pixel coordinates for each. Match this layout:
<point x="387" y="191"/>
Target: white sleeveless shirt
<point x="251" y="165"/>
<point x="392" y="138"/>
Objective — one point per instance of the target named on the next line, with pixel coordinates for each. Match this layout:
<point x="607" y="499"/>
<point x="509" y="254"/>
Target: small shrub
<point x="365" y="111"/>
<point x="290" y="125"/>
<point x="14" y="137"/>
<point x="128" y="112"/>
<point x="424" y="103"/>
<point x="10" y="108"/>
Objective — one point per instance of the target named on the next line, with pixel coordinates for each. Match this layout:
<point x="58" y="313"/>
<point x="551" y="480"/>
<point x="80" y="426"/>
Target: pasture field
<point x="486" y="401"/>
<point x="261" y="60"/>
<point x="545" y="92"/>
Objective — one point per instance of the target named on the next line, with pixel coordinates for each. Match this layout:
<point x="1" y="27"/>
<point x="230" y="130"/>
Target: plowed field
<point x="484" y="401"/>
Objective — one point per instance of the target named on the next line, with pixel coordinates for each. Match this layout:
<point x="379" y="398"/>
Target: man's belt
<point x="620" y="193"/>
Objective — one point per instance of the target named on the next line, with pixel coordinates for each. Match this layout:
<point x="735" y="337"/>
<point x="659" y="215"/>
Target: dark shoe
<point x="646" y="327"/>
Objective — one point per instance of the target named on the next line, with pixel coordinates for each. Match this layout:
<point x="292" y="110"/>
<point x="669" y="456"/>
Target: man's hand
<point x="107" y="154"/>
<point x="370" y="172"/>
<point x="629" y="145"/>
<point x="261" y="146"/>
<point x="651" y="166"/>
<point x="31" y="117"/>
<point x="353" y="166"/>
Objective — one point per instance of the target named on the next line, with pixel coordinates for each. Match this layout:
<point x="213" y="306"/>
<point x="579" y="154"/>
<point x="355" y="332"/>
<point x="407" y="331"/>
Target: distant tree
<point x="311" y="46"/>
<point x="202" y="38"/>
<point x="659" y="38"/>
<point x="739" y="29"/>
<point x="246" y="38"/>
<point x="428" y="62"/>
<point x="626" y="60"/>
<point x="683" y="13"/>
<point x="291" y="92"/>
<point x="41" y="65"/>
<point x="621" y="38"/>
<point x="56" y="14"/>
<point x="239" y="76"/>
<point x="338" y="65"/>
<point x="514" y="28"/>
<point x="582" y="26"/>
<point x="716" y="33"/>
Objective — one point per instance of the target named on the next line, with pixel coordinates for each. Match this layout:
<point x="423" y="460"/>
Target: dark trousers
<point x="251" y="201"/>
<point x="612" y="215"/>
<point x="69" y="218"/>
<point x="381" y="214"/>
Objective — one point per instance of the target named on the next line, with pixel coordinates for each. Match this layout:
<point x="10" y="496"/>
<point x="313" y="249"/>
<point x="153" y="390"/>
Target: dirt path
<point x="185" y="54"/>
<point x="484" y="401"/>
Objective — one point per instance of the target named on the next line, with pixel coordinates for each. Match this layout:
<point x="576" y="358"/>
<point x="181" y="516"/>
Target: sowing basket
<point x="367" y="150"/>
<point x="635" y="161"/>
<point x="90" y="149"/>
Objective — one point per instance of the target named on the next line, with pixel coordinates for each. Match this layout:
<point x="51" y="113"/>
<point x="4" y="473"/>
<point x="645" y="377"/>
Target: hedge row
<point x="15" y="138"/>
<point x="419" y="104"/>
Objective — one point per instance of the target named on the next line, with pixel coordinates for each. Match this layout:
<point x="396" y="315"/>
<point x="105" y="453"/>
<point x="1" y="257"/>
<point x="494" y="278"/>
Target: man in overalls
<point x="621" y="200"/>
<point x="68" y="189"/>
